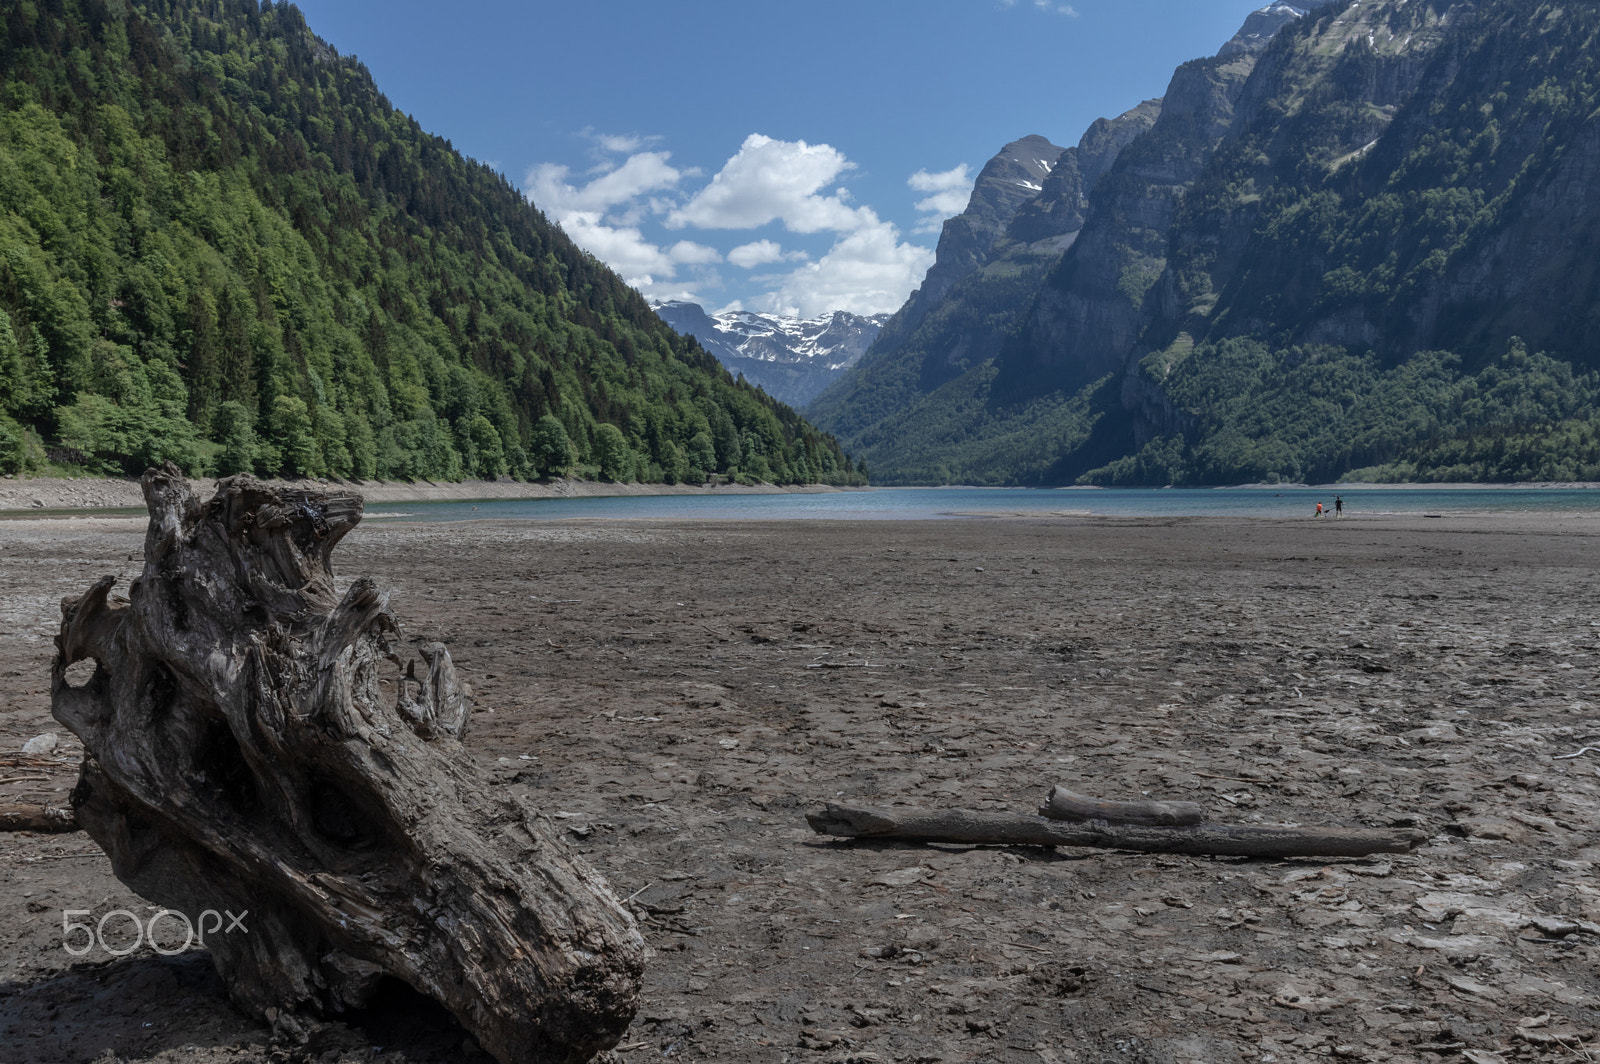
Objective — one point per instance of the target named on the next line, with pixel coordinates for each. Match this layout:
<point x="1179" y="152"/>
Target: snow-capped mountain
<point x="791" y="358"/>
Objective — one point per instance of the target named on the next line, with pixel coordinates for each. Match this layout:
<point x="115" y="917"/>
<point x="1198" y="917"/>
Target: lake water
<point x="920" y="504"/>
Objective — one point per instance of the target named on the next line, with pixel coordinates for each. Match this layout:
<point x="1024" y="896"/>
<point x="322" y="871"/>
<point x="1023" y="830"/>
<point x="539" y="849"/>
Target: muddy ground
<point x="677" y="694"/>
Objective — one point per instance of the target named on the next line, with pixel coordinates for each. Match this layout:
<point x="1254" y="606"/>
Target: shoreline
<point x="65" y="496"/>
<point x="48" y="495"/>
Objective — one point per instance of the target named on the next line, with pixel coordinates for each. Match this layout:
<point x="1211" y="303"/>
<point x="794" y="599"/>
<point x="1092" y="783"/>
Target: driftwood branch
<point x="1070" y="805"/>
<point x="21" y="816"/>
<point x="1219" y="840"/>
<point x="255" y="742"/>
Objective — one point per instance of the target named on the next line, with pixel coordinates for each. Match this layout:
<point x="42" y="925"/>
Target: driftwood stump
<point x="254" y="743"/>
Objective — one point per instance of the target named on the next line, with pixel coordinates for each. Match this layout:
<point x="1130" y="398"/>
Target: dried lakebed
<point x="676" y="694"/>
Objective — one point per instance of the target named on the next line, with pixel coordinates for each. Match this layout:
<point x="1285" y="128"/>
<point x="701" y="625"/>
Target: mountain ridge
<point x="790" y="358"/>
<point x="1357" y="240"/>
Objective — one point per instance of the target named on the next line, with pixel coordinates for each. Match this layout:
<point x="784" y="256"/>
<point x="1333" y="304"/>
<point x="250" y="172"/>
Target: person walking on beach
<point x="1319" y="509"/>
<point x="1338" y="506"/>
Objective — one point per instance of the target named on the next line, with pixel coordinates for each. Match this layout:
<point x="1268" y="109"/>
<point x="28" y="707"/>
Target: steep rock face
<point x="1004" y="185"/>
<point x="1367" y="246"/>
<point x="1389" y="266"/>
<point x="1367" y="224"/>
<point x="930" y="379"/>
<point x="1516" y="258"/>
<point x="934" y="339"/>
<point x="791" y="359"/>
<point x="1062" y="204"/>
<point x="1091" y="310"/>
<point x="1323" y="101"/>
<point x="1263" y="25"/>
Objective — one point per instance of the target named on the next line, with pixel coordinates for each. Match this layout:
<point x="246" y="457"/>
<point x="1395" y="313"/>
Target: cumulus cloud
<point x="603" y="215"/>
<point x="620" y="144"/>
<point x="868" y="271"/>
<point x="768" y="180"/>
<point x="687" y="251"/>
<point x="759" y="253"/>
<point x="950" y="191"/>
<point x="645" y="172"/>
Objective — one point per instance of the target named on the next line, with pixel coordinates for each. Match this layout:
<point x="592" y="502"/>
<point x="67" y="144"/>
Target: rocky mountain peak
<point x="791" y="358"/>
<point x="1265" y="23"/>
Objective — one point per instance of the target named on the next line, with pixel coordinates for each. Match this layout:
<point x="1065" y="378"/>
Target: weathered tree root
<point x="1218" y="840"/>
<point x="20" y="816"/>
<point x="253" y="743"/>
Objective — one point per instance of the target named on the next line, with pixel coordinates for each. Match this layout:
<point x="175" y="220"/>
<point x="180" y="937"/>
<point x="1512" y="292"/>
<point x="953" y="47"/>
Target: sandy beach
<point x="676" y="694"/>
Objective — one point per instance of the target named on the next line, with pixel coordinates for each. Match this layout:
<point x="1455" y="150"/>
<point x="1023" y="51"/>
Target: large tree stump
<point x="253" y="743"/>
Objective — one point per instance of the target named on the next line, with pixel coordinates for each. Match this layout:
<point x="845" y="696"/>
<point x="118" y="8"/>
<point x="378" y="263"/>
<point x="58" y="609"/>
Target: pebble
<point x="41" y="745"/>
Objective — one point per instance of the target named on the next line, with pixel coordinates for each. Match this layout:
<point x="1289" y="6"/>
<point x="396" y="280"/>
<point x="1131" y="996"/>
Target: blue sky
<point x="773" y="155"/>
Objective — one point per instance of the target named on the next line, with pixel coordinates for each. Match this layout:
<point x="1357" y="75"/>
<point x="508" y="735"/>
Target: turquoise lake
<point x="921" y="504"/>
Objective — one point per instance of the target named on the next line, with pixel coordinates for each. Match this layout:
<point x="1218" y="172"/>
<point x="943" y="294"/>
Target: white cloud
<point x="641" y="173"/>
<point x="1045" y="5"/>
<point x="621" y="145"/>
<point x="603" y="216"/>
<point x="761" y="252"/>
<point x="623" y="248"/>
<point x="690" y="253"/>
<point x="767" y="180"/>
<point x="868" y="271"/>
<point x="613" y="214"/>
<point x="958" y="177"/>
<point x="951" y="189"/>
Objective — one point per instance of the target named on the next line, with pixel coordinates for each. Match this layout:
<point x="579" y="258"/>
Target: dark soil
<point x="677" y="694"/>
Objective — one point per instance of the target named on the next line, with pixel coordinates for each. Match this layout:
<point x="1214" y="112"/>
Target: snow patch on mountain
<point x="792" y="358"/>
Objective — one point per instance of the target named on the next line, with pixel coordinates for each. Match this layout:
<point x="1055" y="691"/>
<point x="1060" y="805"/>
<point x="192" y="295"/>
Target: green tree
<point x="674" y="463"/>
<point x="13" y="446"/>
<point x="551" y="449"/>
<point x="487" y="458"/>
<point x="240" y="445"/>
<point x="757" y="468"/>
<point x="612" y="454"/>
<point x="294" y="436"/>
<point x="702" y="455"/>
<point x="332" y="442"/>
<point x="13" y="377"/>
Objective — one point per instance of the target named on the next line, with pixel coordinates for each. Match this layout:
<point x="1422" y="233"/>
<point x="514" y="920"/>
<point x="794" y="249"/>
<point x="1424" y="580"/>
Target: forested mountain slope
<point x="220" y="245"/>
<point x="1366" y="245"/>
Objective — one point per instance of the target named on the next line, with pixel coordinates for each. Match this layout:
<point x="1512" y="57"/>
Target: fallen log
<point x="1064" y="804"/>
<point x="255" y="744"/>
<point x="23" y="816"/>
<point x="1020" y="829"/>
